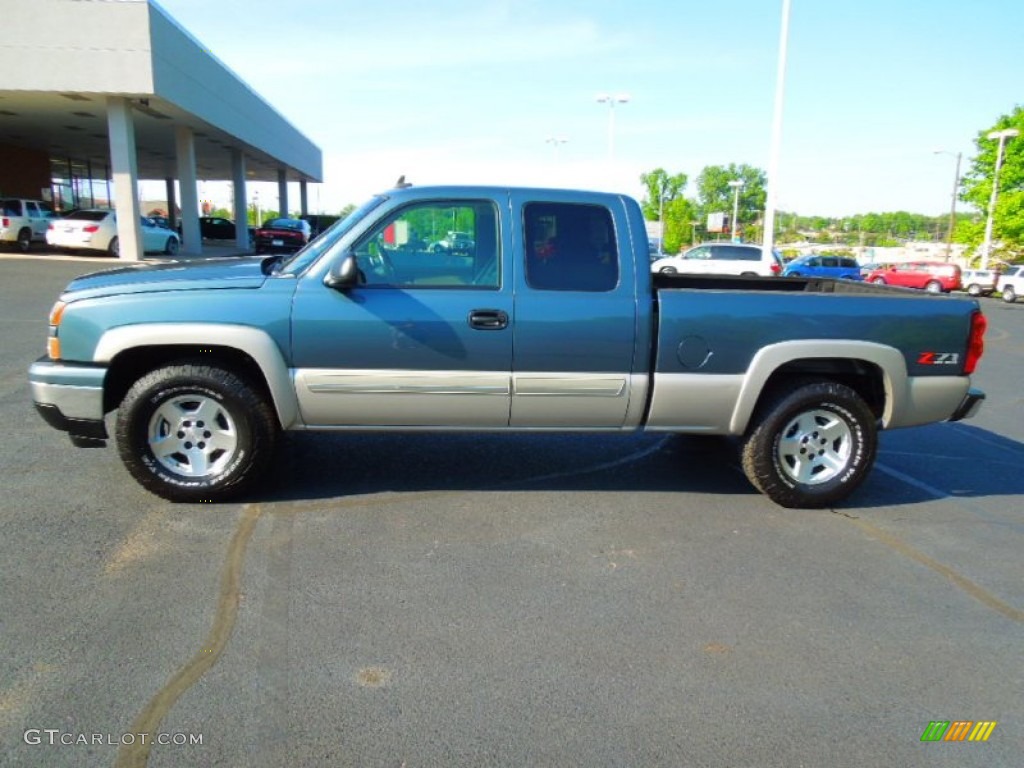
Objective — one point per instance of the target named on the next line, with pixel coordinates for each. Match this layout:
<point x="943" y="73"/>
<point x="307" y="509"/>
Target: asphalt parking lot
<point x="555" y="600"/>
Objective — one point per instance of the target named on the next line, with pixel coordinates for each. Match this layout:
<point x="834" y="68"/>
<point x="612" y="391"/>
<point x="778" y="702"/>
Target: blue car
<point x="812" y="265"/>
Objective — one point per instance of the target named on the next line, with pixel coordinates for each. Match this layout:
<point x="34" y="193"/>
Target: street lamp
<point x="611" y="101"/>
<point x="735" y="184"/>
<point x="1003" y="135"/>
<point x="661" y="218"/>
<point x="768" y="235"/>
<point x="556" y="142"/>
<point x="952" y="205"/>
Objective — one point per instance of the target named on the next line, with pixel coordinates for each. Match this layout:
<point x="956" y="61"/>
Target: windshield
<point x="327" y="238"/>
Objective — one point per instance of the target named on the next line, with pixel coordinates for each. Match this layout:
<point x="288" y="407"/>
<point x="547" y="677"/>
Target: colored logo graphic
<point x="958" y="730"/>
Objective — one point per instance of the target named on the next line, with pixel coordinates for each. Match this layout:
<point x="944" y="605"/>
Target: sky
<point x="453" y="91"/>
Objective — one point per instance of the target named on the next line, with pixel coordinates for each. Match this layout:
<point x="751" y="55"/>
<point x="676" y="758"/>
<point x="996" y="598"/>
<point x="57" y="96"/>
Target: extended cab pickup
<point x="552" y="321"/>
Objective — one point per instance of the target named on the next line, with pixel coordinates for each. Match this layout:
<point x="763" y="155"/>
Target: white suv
<point x="978" y="282"/>
<point x="24" y="221"/>
<point x="1011" y="283"/>
<point x="721" y="259"/>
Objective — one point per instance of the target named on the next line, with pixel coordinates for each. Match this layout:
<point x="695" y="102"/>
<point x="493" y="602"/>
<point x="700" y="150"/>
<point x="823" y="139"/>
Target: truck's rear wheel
<point x="194" y="432"/>
<point x="1009" y="295"/>
<point x="811" y="446"/>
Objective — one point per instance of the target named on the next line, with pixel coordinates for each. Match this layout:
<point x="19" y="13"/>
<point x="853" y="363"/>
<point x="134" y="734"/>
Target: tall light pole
<point x="776" y="146"/>
<point x="661" y="218"/>
<point x="1002" y="136"/>
<point x="611" y="101"/>
<point x="952" y="205"/>
<point x="736" y="184"/>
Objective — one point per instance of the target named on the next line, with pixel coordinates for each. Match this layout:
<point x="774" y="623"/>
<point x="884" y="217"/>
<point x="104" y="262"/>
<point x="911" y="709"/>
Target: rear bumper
<point x="969" y="406"/>
<point x="69" y="397"/>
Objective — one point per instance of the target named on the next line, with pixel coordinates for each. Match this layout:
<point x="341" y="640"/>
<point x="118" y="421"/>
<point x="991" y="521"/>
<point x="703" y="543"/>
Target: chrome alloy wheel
<point x="815" y="447"/>
<point x="193" y="436"/>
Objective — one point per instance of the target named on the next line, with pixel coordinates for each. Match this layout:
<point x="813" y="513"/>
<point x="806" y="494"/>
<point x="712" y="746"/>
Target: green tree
<point x="679" y="211"/>
<point x="714" y="195"/>
<point x="976" y="188"/>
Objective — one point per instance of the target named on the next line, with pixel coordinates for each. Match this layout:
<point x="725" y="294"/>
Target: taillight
<point x="776" y="269"/>
<point x="92" y="228"/>
<point x="50" y="225"/>
<point x="6" y="222"/>
<point x="976" y="341"/>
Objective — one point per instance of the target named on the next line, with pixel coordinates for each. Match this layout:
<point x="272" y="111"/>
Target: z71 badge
<point x="938" y="358"/>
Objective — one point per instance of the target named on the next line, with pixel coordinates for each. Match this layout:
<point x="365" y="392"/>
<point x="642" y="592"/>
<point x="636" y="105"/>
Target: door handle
<point x="488" y="319"/>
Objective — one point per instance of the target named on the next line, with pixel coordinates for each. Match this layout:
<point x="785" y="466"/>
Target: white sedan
<point x="96" y="229"/>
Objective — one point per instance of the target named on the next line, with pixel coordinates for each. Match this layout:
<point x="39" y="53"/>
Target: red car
<point x="282" y="235"/>
<point x="932" y="276"/>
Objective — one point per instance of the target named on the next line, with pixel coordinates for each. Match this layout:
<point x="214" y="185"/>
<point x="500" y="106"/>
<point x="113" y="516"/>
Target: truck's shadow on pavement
<point x="914" y="465"/>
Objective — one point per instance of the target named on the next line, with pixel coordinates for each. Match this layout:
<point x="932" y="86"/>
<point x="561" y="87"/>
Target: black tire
<point x="218" y="433"/>
<point x="810" y="445"/>
<point x="974" y="289"/>
<point x="114" y="247"/>
<point x="171" y="246"/>
<point x="933" y="286"/>
<point x="24" y="243"/>
<point x="879" y="281"/>
<point x="1009" y="295"/>
<point x="667" y="270"/>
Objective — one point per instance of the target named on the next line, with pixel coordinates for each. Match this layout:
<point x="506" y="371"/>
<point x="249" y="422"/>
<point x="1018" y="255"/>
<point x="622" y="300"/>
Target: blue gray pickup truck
<point x="552" y="320"/>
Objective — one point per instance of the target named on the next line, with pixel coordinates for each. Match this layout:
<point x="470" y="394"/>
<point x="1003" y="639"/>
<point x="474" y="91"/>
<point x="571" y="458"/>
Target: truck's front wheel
<point x="810" y="447"/>
<point x="193" y="432"/>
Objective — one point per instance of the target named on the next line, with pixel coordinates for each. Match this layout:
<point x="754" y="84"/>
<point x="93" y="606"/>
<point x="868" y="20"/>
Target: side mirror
<point x="344" y="274"/>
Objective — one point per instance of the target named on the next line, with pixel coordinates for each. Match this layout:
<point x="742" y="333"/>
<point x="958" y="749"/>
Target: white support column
<point x="241" y="206"/>
<point x="185" y="146"/>
<point x="126" y="177"/>
<point x="303" y="198"/>
<point x="282" y="192"/>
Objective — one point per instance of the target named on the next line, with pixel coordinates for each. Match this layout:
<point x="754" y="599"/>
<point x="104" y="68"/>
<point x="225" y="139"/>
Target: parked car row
<point x="931" y="276"/>
<point x="24" y="222"/>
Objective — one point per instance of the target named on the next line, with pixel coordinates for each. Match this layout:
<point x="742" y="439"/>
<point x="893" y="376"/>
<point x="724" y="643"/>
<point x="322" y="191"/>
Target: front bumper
<point x="969" y="405"/>
<point x="69" y="397"/>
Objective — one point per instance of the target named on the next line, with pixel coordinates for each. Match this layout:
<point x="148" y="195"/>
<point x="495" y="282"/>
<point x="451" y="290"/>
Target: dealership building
<point x="103" y="93"/>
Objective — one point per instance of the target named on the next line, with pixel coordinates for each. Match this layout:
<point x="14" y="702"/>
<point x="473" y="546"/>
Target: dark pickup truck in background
<point x="551" y="321"/>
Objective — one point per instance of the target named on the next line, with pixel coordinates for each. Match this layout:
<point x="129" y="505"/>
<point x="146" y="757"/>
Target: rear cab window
<point x="570" y="247"/>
